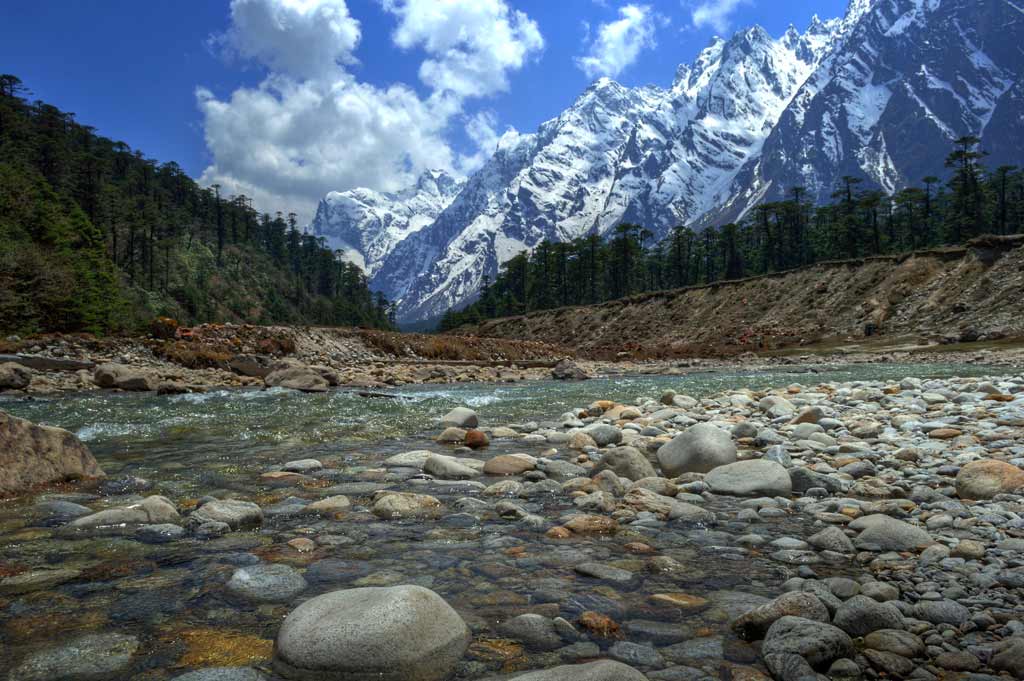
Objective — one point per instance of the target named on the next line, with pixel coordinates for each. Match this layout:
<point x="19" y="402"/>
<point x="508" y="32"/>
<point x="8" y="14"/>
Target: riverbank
<point x="604" y="533"/>
<point x="212" y="357"/>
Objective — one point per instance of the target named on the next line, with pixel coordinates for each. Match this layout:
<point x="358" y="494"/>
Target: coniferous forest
<point x="96" y="237"/>
<point x="972" y="200"/>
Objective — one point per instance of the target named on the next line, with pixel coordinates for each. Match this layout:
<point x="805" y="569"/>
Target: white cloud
<point x="312" y="127"/>
<point x="472" y="43"/>
<point x="303" y="38"/>
<point x="716" y="14"/>
<point x="619" y="43"/>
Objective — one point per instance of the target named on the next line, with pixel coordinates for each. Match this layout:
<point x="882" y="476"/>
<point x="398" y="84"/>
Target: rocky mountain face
<point x="876" y="94"/>
<point x="367" y="225"/>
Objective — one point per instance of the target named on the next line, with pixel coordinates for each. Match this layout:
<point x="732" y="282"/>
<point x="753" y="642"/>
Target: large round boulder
<point x="757" y="477"/>
<point x="297" y="377"/>
<point x="32" y="455"/>
<point x="627" y="462"/>
<point x="884" y="533"/>
<point x="460" y="417"/>
<point x="401" y="633"/>
<point x="985" y="479"/>
<point x="14" y="376"/>
<point x="700" y="449"/>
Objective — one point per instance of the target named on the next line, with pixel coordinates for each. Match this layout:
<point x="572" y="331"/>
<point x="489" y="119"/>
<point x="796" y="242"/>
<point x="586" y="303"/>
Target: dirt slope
<point x="965" y="293"/>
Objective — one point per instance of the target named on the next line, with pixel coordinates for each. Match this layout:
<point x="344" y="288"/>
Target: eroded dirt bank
<point x="963" y="294"/>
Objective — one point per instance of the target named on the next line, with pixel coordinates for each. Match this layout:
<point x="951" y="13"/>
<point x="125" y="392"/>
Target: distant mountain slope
<point x="874" y="94"/>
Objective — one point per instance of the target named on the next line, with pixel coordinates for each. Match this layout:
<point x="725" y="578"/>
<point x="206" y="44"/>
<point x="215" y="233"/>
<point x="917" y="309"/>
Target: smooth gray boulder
<point x="817" y="644"/>
<point x="233" y="512"/>
<point x="753" y="625"/>
<point x="832" y="539"/>
<point x="627" y="462"/>
<point x="861" y="615"/>
<point x="460" y="417"/>
<point x="154" y="510"/>
<point x="604" y="434"/>
<point x="757" y="477"/>
<point x="602" y="670"/>
<point x="885" y="533"/>
<point x="32" y="455"/>
<point x="401" y="633"/>
<point x="447" y="468"/>
<point x="297" y="377"/>
<point x="700" y="449"/>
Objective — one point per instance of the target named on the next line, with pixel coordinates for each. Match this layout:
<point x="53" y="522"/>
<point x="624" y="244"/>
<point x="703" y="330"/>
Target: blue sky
<point x="404" y="87"/>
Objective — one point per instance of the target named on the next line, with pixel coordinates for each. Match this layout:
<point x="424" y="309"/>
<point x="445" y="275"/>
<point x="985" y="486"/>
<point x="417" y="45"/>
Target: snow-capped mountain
<point x="367" y="225"/>
<point x="875" y="94"/>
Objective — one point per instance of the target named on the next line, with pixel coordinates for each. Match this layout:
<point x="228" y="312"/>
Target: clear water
<point x="488" y="568"/>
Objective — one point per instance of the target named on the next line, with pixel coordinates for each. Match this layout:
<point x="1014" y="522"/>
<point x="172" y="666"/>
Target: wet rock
<point x="753" y="625"/>
<point x="568" y="370"/>
<point x="756" y="477"/>
<point x="152" y="510"/>
<point x="592" y="524"/>
<point x="635" y="654"/>
<point x="882" y="532"/>
<point x="235" y="513"/>
<point x="832" y="539"/>
<point x="460" y="417"/>
<point x="95" y="657"/>
<point x="603" y="434"/>
<point x="14" y="376"/>
<point x="1009" y="656"/>
<point x="330" y="505"/>
<point x="159" y="534"/>
<point x="804" y="479"/>
<point x="861" y="615"/>
<point x="700" y="449"/>
<point x="602" y="670"/>
<point x="36" y="580"/>
<point x="53" y="513"/>
<point x="604" y="572"/>
<point x="817" y="644"/>
<point x="476" y="439"/>
<point x="447" y="468"/>
<point x="402" y="633"/>
<point x="889" y="664"/>
<point x="627" y="462"/>
<point x="128" y="484"/>
<point x="510" y="464"/>
<point x="123" y="377"/>
<point x="32" y="455"/>
<point x="534" y="631"/>
<point x="302" y="466"/>
<point x="451" y="436"/>
<point x="272" y="583"/>
<point x="397" y="505"/>
<point x="895" y="641"/>
<point x="985" y="479"/>
<point x="297" y="377"/>
<point x="942" y="612"/>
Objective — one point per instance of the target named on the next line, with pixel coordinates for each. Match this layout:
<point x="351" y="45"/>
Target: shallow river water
<point x="173" y="598"/>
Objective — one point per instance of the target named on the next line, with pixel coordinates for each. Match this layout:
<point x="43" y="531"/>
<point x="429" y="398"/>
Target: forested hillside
<point x="96" y="237"/>
<point x="774" y="237"/>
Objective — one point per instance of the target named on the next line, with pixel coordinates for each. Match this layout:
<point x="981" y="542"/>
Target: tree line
<point x="773" y="237"/>
<point x="97" y="237"/>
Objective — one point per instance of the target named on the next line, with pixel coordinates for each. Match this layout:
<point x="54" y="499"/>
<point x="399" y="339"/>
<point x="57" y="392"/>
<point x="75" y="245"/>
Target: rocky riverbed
<point x="856" y="529"/>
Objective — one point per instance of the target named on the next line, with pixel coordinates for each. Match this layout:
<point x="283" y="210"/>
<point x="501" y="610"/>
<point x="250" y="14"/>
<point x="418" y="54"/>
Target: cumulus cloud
<point x="482" y="130"/>
<point x="617" y="44"/>
<point x="472" y="44"/>
<point x="716" y="14"/>
<point x="312" y="126"/>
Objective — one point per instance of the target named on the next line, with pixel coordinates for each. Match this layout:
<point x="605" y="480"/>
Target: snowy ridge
<point x="867" y="94"/>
